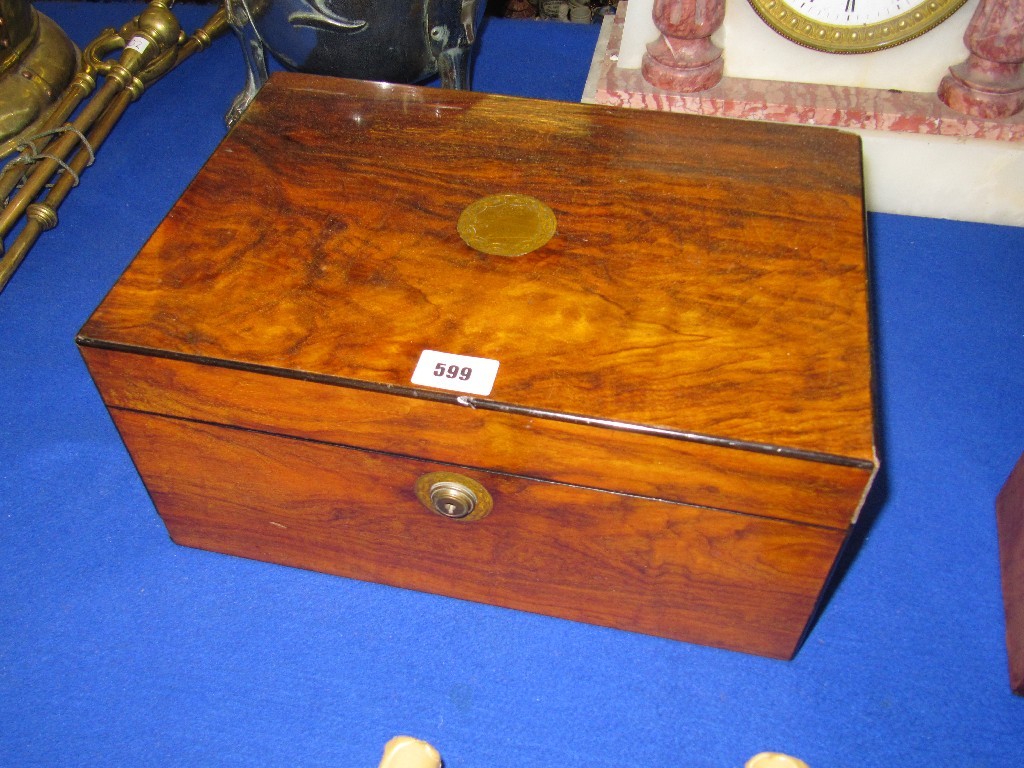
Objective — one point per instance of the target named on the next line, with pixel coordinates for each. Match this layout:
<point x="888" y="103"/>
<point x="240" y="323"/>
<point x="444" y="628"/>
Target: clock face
<point x="853" y="26"/>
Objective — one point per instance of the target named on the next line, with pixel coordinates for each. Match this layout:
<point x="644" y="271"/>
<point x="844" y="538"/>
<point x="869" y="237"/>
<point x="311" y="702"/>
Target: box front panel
<point x="700" y="575"/>
<point x="761" y="484"/>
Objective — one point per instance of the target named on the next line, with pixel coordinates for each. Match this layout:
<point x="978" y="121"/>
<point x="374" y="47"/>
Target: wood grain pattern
<point x="681" y="430"/>
<point x="728" y="580"/>
<point x="609" y="459"/>
<point x="707" y="276"/>
<point x="1010" y="519"/>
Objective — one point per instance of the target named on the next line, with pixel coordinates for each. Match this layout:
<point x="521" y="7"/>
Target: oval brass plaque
<point x="507" y="225"/>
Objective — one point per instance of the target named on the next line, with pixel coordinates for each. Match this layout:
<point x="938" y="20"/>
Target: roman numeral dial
<point x="853" y="26"/>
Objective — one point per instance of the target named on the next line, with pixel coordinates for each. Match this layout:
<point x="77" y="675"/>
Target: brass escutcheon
<point x="507" y="225"/>
<point x="454" y="496"/>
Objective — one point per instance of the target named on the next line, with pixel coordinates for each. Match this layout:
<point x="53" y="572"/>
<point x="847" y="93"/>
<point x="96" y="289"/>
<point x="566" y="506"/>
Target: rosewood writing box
<point x="607" y="365"/>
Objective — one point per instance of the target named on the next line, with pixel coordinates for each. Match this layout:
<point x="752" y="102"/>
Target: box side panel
<point x="671" y="570"/>
<point x="676" y="470"/>
<point x="1010" y="518"/>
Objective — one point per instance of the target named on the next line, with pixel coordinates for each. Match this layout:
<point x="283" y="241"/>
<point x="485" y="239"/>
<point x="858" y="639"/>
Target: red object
<point x="683" y="59"/>
<point x="1010" y="518"/>
<point x="990" y="83"/>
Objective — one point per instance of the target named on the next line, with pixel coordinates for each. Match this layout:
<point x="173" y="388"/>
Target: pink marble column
<point x="683" y="59"/>
<point x="990" y="83"/>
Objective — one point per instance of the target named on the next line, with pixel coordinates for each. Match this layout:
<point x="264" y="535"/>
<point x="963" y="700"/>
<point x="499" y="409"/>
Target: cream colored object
<point x="944" y="177"/>
<point x="774" y="760"/>
<point x="407" y="752"/>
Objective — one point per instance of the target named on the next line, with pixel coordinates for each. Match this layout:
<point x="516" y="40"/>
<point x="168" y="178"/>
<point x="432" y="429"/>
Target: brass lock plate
<point x="454" y="496"/>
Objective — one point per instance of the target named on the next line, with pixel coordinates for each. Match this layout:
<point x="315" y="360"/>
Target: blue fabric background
<point x="119" y="648"/>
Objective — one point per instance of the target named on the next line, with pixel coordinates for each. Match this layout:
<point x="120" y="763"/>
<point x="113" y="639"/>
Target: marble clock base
<point x="921" y="158"/>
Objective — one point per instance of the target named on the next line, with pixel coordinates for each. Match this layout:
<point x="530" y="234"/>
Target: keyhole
<point x="453" y="496"/>
<point x="452" y="499"/>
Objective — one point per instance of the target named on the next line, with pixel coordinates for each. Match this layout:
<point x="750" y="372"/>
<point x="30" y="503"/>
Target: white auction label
<point x="138" y="44"/>
<point x="458" y="373"/>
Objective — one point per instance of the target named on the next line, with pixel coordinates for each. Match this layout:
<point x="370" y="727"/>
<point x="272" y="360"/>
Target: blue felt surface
<point x="119" y="648"/>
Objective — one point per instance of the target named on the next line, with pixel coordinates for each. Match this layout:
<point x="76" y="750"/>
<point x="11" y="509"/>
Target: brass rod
<point x="43" y="216"/>
<point x="158" y="31"/>
<point x="83" y="84"/>
<point x="78" y="90"/>
<point x="126" y="81"/>
<point x="203" y="37"/>
<point x="45" y="168"/>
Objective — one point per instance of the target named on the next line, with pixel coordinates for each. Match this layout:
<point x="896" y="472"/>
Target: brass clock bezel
<point x="855" y="38"/>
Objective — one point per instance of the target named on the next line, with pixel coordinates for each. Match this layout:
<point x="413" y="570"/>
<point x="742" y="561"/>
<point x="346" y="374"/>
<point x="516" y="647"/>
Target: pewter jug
<point x="400" y="41"/>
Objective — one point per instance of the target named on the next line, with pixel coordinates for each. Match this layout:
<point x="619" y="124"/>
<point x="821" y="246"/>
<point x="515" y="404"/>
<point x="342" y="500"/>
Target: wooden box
<point x="679" y="433"/>
<point x="1010" y="524"/>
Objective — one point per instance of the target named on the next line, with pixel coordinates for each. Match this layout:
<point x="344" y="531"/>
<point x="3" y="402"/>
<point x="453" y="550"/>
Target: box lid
<point x="705" y="281"/>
